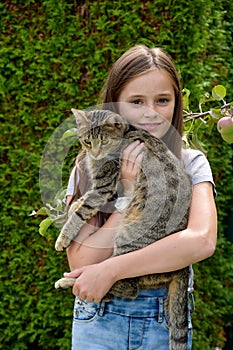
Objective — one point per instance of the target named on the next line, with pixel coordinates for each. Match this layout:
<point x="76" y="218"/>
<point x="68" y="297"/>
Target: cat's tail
<point x="178" y="310"/>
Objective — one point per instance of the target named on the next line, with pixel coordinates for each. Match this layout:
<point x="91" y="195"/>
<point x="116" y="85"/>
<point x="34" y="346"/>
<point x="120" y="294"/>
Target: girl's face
<point x="147" y="102"/>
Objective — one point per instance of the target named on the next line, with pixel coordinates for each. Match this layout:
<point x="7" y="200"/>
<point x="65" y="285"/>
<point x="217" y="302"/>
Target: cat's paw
<point x="63" y="241"/>
<point x="68" y="232"/>
<point x="65" y="283"/>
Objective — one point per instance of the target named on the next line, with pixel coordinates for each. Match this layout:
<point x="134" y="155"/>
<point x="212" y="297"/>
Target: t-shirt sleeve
<point x="197" y="166"/>
<point x="74" y="177"/>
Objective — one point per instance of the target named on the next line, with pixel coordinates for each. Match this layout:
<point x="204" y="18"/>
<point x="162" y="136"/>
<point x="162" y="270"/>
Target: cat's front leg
<point x="80" y="212"/>
<point x="68" y="232"/>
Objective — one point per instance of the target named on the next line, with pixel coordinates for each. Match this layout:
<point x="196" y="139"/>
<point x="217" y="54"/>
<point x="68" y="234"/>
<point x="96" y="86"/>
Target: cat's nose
<point x="95" y="153"/>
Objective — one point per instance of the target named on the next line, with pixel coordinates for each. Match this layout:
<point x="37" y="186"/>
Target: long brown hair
<point x="134" y="62"/>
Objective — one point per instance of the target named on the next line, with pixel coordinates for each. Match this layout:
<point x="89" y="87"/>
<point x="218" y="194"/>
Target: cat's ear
<point x="116" y="120"/>
<point x="81" y="120"/>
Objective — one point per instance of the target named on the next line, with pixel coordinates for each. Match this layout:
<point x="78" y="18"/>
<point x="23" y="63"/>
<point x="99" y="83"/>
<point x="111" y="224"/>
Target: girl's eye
<point x="137" y="102"/>
<point x="162" y="101"/>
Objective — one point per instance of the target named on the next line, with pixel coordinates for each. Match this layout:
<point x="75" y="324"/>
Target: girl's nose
<point x="150" y="112"/>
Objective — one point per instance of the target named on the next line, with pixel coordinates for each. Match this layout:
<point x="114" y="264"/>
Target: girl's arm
<point x="93" y="244"/>
<point x="178" y="250"/>
<point x="173" y="252"/>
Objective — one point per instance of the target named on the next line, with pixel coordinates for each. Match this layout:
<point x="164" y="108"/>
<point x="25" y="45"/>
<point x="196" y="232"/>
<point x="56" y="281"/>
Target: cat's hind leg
<point x="65" y="283"/>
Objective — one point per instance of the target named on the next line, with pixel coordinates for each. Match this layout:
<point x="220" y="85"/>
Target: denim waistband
<point x="149" y="303"/>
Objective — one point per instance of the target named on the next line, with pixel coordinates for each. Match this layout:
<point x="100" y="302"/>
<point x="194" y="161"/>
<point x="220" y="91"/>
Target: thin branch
<point x="226" y="105"/>
<point x="195" y="116"/>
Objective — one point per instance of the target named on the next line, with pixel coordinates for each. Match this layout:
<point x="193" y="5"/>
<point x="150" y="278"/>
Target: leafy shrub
<point x="55" y="55"/>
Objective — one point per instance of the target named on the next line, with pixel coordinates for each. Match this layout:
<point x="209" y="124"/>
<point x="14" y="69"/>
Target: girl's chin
<point x="157" y="133"/>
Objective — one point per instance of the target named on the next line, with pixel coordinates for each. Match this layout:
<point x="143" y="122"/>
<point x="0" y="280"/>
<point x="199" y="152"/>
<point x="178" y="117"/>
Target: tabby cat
<point x="159" y="207"/>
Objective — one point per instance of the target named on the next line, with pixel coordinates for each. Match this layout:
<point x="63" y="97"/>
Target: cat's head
<point x="100" y="132"/>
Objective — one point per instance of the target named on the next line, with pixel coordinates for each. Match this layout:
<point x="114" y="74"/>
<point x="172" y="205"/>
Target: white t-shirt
<point x="195" y="164"/>
<point x="71" y="184"/>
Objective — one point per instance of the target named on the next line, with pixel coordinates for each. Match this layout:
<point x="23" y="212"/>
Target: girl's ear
<point x="81" y="120"/>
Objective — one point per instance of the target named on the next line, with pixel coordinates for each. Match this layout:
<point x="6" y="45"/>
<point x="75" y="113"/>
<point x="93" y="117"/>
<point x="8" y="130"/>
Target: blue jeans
<point x="122" y="324"/>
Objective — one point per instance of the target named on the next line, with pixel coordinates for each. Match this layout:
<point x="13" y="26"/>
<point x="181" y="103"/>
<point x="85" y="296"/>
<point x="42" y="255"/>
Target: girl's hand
<point x="131" y="161"/>
<point x="92" y="283"/>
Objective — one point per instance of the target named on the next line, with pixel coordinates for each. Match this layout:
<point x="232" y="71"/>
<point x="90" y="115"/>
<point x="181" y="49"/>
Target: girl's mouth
<point x="150" y="126"/>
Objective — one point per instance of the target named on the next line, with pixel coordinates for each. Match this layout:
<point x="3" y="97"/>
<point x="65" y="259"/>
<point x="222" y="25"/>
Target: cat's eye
<point x="104" y="141"/>
<point x="87" y="142"/>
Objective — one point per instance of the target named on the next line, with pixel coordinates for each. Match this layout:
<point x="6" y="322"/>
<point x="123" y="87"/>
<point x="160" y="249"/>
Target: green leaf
<point x="215" y="113"/>
<point x="44" y="225"/>
<point x="219" y="92"/>
<point x="70" y="133"/>
<point x="186" y="99"/>
<point x="43" y="211"/>
<point x="196" y="143"/>
<point x="204" y="99"/>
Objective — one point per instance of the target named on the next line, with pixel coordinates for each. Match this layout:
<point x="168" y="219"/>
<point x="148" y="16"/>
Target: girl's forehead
<point x="156" y="81"/>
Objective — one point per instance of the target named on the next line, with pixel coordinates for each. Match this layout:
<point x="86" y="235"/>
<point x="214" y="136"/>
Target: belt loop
<point x="160" y="315"/>
<point x="191" y="302"/>
<point x="101" y="309"/>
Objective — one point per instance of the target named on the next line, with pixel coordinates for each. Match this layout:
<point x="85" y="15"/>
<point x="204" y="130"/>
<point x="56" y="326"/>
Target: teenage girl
<point x="143" y="83"/>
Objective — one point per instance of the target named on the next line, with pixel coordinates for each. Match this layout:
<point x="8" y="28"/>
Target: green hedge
<point x="55" y="55"/>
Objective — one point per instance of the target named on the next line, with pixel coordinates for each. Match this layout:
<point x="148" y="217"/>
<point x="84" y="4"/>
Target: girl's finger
<point x="128" y="150"/>
<point x="75" y="273"/>
<point x="138" y="162"/>
<point x="75" y="290"/>
<point x="131" y="154"/>
<point x="131" y="146"/>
